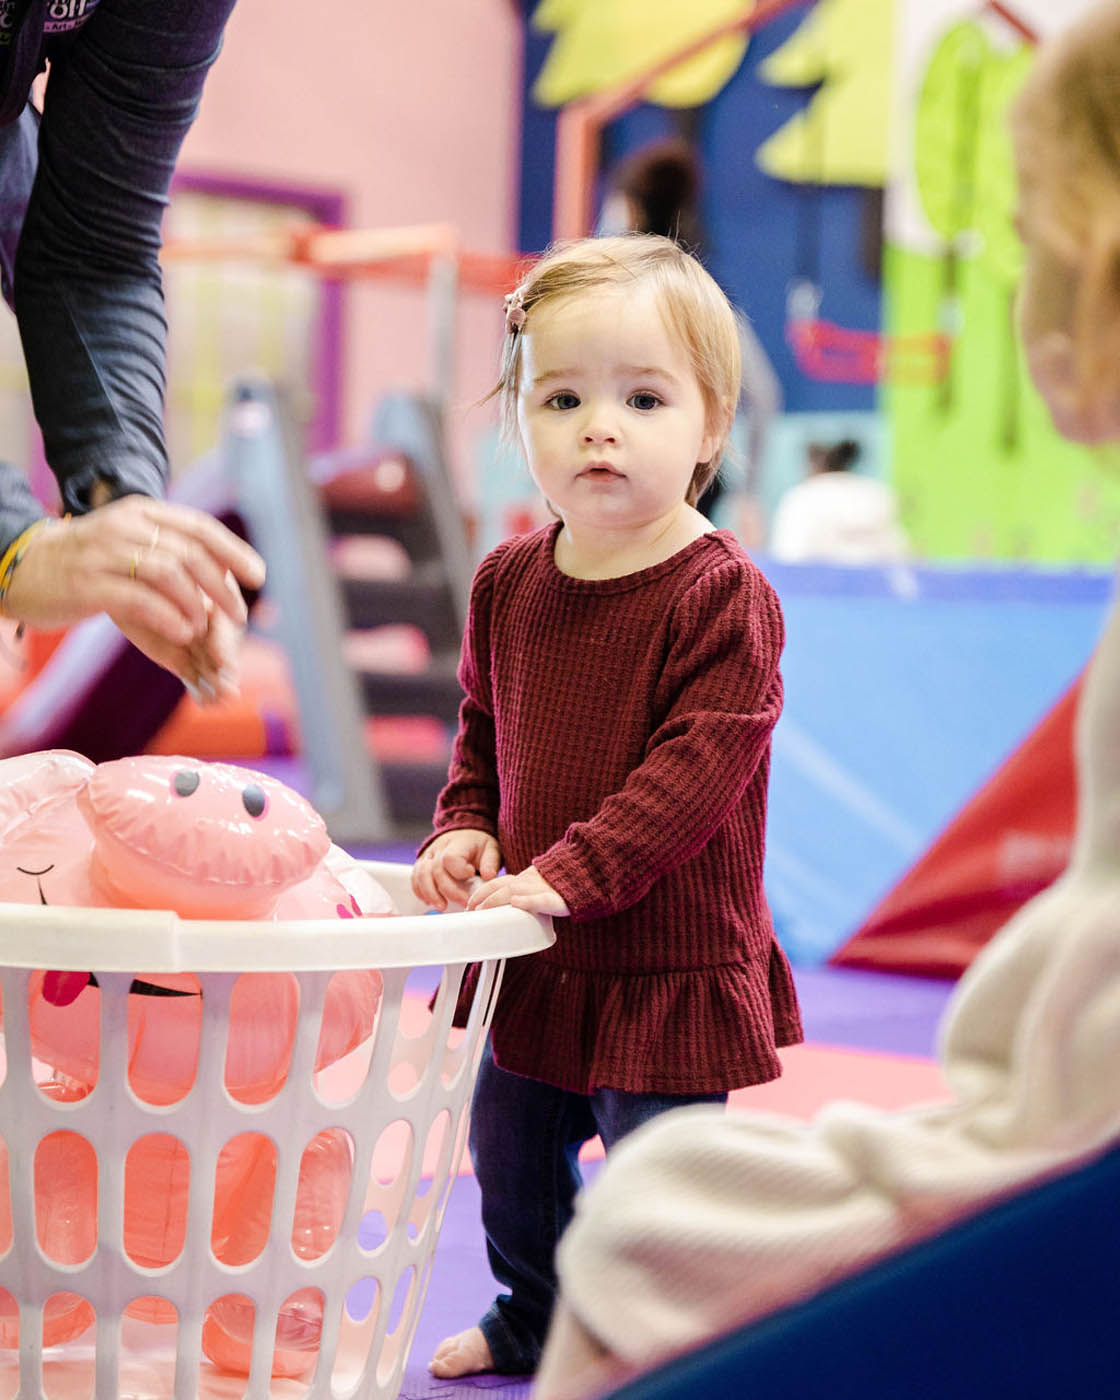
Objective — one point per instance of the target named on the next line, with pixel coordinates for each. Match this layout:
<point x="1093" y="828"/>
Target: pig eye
<point x="185" y="782"/>
<point x="254" y="800"/>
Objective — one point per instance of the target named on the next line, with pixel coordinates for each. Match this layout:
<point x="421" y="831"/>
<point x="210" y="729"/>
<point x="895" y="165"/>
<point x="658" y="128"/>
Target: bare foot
<point x="465" y="1354"/>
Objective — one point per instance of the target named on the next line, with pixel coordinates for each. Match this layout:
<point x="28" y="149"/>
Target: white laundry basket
<point x="401" y="1097"/>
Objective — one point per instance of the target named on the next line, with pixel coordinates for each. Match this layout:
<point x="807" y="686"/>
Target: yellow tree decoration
<point x="601" y="44"/>
<point x="841" y="137"/>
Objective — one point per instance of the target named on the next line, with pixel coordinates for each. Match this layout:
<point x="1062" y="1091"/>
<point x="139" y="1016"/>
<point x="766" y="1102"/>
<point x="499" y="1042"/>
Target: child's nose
<point x="599" y="427"/>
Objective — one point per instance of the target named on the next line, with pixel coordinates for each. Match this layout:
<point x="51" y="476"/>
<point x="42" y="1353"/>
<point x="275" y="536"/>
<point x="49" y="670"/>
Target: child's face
<point x="610" y="413"/>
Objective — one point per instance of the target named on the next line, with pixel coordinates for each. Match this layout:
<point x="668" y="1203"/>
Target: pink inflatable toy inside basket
<point x="207" y="1083"/>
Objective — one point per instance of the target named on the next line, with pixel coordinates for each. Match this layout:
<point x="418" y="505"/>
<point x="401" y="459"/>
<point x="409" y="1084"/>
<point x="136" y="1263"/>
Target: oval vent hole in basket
<point x="227" y="1332"/>
<point x="149" y="1329"/>
<point x="416" y="1017"/>
<point x="436" y="1152"/>
<point x="325" y="1170"/>
<point x="66" y="1197"/>
<point x="9" y="1338"/>
<point x="65" y="1042"/>
<point x="372" y="1230"/>
<point x="244" y="1183"/>
<point x="404" y="1296"/>
<point x="456" y="1157"/>
<point x="157" y="1174"/>
<point x="347" y="1035"/>
<point x="68" y="1317"/>
<point x="435" y="1165"/>
<point x="299" y="1328"/>
<point x="389" y="1171"/>
<point x="454" y="1056"/>
<point x="263" y="1014"/>
<point x="164" y="1035"/>
<point x="355" y="1336"/>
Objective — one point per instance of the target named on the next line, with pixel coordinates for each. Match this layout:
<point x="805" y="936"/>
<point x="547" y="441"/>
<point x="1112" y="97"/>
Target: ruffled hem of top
<point x="703" y="1031"/>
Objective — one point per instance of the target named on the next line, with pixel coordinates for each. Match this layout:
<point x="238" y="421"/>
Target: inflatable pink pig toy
<point x="206" y="840"/>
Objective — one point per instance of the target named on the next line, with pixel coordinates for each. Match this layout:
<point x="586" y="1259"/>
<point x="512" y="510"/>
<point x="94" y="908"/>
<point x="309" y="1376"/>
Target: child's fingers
<point x="490" y="894"/>
<point x="546" y="902"/>
<point x="423" y="886"/>
<point x="449" y="889"/>
<point x="458" y="866"/>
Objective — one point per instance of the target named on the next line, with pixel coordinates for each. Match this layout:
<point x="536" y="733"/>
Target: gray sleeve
<point x="88" y="289"/>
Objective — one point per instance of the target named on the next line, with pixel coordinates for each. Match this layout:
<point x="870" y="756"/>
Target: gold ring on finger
<point x="134" y="564"/>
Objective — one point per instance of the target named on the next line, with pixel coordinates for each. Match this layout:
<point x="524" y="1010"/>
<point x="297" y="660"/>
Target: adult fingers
<point x="491" y="861"/>
<point x="220" y="544"/>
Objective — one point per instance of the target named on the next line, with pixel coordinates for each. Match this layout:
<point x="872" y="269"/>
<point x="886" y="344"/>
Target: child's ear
<point x="718" y="428"/>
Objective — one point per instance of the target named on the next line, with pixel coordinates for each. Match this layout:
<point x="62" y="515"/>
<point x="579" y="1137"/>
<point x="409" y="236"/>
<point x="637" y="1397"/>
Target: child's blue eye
<point x="644" y="401"/>
<point x="564" y="399"/>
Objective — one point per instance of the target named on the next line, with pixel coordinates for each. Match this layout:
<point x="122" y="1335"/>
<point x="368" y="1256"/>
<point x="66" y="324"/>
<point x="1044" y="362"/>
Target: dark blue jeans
<point x="525" y="1141"/>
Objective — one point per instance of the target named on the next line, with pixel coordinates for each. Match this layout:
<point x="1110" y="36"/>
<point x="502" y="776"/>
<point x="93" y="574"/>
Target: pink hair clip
<point x="515" y="311"/>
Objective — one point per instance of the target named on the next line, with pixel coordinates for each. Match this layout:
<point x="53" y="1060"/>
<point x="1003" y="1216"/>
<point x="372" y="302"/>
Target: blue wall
<point x="761" y="231"/>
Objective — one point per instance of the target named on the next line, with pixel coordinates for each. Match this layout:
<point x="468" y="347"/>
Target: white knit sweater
<point x="702" y="1220"/>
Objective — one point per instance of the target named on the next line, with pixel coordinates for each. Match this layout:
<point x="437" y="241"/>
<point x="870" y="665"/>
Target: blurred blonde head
<point x="1066" y="127"/>
<point x="695" y="311"/>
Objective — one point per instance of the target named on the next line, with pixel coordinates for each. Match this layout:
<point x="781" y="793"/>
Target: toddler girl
<point x="620" y="670"/>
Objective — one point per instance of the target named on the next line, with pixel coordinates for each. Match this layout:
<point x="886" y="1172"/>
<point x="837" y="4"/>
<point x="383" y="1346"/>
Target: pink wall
<point x="411" y="110"/>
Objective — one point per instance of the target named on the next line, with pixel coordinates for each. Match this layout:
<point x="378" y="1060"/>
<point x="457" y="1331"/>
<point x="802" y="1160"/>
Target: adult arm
<point x="122" y="94"/>
<point x="724" y="697"/>
<point x="120" y="99"/>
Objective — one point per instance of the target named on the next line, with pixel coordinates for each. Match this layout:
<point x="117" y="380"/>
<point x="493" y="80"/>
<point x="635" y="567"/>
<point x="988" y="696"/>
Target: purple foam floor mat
<point x="460" y="1292"/>
<point x="877" y="1011"/>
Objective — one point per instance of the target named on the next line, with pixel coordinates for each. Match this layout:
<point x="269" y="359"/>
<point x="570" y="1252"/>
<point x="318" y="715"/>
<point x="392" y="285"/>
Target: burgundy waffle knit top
<point x="616" y="734"/>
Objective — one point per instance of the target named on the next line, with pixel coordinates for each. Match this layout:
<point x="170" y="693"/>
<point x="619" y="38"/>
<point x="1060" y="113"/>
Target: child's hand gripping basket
<point x="231" y="1231"/>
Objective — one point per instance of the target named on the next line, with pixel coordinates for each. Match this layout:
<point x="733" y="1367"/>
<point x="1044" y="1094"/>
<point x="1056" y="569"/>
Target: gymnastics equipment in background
<point x="1010" y="842"/>
<point x="905" y="690"/>
<point x="98" y="695"/>
<point x="1018" y="1300"/>
<point x="267" y="1268"/>
<point x="206" y="841"/>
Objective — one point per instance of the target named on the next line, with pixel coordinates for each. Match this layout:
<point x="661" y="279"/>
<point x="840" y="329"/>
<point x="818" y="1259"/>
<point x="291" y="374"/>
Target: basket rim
<point x="72" y="938"/>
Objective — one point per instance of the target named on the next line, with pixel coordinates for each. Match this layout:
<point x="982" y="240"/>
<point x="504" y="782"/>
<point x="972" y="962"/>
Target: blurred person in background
<point x="836" y="515"/>
<point x="657" y="190"/>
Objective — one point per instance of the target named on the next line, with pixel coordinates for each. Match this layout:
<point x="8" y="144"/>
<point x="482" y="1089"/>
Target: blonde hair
<point x="1066" y="124"/>
<point x="694" y="308"/>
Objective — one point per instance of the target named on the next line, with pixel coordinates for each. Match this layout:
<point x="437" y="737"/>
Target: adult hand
<point x="445" y="870"/>
<point x="166" y="574"/>
<point x="529" y="891"/>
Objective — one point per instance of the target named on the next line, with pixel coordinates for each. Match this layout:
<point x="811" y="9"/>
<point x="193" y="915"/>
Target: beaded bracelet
<point x="12" y="555"/>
